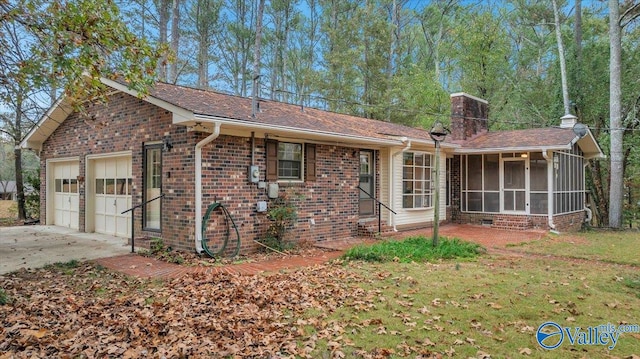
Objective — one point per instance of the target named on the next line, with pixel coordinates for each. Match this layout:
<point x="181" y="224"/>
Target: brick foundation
<point x="570" y="222"/>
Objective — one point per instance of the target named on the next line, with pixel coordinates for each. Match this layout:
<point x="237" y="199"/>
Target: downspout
<point x="550" y="206"/>
<point x="198" y="181"/>
<point x="406" y="148"/>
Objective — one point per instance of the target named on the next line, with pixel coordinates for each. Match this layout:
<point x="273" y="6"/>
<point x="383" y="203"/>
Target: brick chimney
<point x="469" y="116"/>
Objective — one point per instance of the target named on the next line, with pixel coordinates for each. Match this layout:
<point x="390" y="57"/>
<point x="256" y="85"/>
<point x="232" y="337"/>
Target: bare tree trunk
<point x="163" y="29"/>
<point x="577" y="83"/>
<point x="256" y="60"/>
<point x="563" y="64"/>
<point x="175" y="39"/>
<point x="395" y="28"/>
<point x="615" y="113"/>
<point x="17" y="138"/>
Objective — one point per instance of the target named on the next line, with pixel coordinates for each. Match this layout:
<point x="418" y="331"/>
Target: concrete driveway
<point x="36" y="246"/>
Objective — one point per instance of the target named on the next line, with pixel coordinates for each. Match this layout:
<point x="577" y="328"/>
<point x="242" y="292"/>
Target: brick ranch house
<point x="199" y="147"/>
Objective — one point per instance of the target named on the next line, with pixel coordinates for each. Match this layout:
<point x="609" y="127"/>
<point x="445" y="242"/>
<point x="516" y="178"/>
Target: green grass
<point x="493" y="306"/>
<point x="4" y="297"/>
<point x="620" y="247"/>
<point x="414" y="249"/>
<point x="633" y="282"/>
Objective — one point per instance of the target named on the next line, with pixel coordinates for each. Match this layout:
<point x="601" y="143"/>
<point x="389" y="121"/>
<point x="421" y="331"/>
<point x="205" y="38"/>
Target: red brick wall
<point x="127" y="123"/>
<point x="331" y="201"/>
<point x="569" y="222"/>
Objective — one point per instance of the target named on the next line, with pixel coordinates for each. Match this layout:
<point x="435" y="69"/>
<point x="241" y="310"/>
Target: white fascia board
<point x="596" y="145"/>
<point x="333" y="136"/>
<point x="431" y="143"/>
<point x="471" y="151"/>
<point x="48" y="123"/>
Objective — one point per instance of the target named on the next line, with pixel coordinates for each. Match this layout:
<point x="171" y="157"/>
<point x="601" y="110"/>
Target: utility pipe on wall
<point x="198" y="181"/>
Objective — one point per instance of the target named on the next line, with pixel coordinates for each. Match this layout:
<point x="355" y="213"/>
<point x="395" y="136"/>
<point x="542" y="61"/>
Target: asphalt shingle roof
<point x="211" y="103"/>
<point x="539" y="137"/>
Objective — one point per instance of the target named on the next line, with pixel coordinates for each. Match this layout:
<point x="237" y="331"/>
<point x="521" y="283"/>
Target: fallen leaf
<point x="428" y="342"/>
<point x="525" y="351"/>
<point x="450" y="352"/>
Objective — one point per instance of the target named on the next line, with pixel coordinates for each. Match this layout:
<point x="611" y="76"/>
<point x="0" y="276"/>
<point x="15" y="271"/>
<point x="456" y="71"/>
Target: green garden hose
<point x="230" y="223"/>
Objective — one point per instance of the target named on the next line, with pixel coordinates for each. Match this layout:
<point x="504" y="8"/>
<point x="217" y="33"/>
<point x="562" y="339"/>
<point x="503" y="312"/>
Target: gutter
<point x="305" y="133"/>
<point x="198" y="181"/>
<point x="550" y="205"/>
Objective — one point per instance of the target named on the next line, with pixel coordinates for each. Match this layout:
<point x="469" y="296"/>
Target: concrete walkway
<point x="36" y="246"/>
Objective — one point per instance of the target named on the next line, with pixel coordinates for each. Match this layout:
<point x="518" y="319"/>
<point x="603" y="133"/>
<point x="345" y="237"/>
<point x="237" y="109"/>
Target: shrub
<point x="283" y="215"/>
<point x="32" y="196"/>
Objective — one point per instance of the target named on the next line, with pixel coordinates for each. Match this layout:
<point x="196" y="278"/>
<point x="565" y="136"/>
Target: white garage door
<point x="113" y="196"/>
<point x="65" y="199"/>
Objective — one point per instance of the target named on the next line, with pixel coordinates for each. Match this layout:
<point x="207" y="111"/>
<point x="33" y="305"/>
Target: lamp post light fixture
<point x="437" y="133"/>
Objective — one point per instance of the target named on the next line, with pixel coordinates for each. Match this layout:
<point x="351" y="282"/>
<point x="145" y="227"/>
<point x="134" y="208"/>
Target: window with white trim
<point x="416" y="180"/>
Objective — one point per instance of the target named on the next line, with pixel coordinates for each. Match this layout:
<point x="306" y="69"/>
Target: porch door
<point x="514" y="185"/>
<point x="367" y="205"/>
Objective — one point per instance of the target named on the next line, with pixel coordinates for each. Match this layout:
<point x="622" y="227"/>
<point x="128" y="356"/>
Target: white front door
<point x="113" y="195"/>
<point x="66" y="198"/>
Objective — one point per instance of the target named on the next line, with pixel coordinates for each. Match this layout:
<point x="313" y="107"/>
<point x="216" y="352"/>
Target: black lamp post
<point x="437" y="133"/>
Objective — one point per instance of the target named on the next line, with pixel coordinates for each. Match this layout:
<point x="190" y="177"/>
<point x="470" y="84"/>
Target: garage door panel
<point x="65" y="196"/>
<point x="122" y="225"/>
<point x="113" y="195"/>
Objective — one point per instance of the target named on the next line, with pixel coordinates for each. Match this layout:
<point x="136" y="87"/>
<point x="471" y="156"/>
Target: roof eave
<point x="326" y="135"/>
<point x="47" y="124"/>
<point x="467" y="151"/>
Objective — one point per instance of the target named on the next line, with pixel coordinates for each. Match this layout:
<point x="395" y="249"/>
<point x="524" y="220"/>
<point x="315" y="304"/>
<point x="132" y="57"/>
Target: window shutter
<point x="310" y="162"/>
<point x="272" y="160"/>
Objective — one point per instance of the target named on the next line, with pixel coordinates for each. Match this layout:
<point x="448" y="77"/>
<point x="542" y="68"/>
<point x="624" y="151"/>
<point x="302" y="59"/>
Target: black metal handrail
<point x="133" y="221"/>
<point x="379" y="209"/>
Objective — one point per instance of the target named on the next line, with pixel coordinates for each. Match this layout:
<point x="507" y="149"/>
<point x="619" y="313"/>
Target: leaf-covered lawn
<point x="621" y="247"/>
<point x="492" y="306"/>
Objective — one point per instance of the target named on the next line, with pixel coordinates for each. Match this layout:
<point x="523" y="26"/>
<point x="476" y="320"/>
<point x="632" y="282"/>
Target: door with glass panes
<point x="367" y="177"/>
<point x="514" y="185"/>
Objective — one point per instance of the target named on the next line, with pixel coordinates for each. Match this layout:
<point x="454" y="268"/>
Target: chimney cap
<point x="568" y="121"/>
<point x="464" y="94"/>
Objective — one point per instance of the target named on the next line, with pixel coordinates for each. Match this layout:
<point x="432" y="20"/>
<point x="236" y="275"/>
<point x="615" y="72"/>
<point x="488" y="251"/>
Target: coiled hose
<point x="230" y="223"/>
